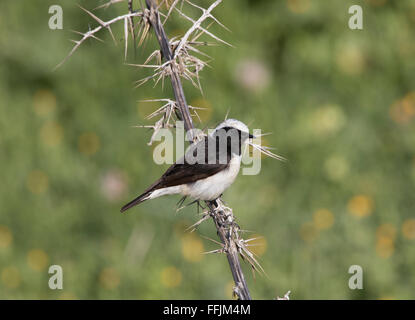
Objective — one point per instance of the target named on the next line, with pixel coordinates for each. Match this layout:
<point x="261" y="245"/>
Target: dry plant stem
<point x="168" y="56"/>
<point x="231" y="250"/>
<point x="218" y="215"/>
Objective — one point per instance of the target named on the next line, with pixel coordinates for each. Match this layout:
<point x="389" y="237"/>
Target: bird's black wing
<point x="179" y="174"/>
<point x="205" y="164"/>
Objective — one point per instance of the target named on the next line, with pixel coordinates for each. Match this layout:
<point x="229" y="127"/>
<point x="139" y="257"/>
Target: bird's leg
<point x="199" y="205"/>
<point x="189" y="204"/>
<point x="179" y="204"/>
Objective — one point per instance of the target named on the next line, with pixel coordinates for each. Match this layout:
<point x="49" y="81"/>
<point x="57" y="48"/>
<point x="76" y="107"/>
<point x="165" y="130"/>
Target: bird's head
<point x="237" y="126"/>
<point x="231" y="135"/>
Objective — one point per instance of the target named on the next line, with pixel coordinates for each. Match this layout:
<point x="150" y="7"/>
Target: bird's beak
<point x="251" y="136"/>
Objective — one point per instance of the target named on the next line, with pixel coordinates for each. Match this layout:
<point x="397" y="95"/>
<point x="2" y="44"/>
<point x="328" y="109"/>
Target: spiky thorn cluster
<point x="92" y="33"/>
<point x="168" y="112"/>
<point x="231" y="242"/>
<point x="285" y="297"/>
<point x="181" y="58"/>
<point x="228" y="221"/>
<point x="185" y="56"/>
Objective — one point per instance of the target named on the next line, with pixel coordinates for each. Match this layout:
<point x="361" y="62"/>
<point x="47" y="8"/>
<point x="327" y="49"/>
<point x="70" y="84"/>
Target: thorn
<point x="143" y="65"/>
<point x="207" y="238"/>
<point x="193" y="227"/>
<point x="102" y="23"/>
<point x="106" y="5"/>
<point x="252" y="239"/>
<point x="227" y="113"/>
<point x="265" y="150"/>
<point x="112" y="35"/>
<point x="126" y="37"/>
<point x="286" y="296"/>
<point x="173" y="5"/>
<point x="211" y="16"/>
<point x="214" y="251"/>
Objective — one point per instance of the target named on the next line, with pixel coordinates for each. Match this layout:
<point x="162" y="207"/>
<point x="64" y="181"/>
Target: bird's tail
<point x="141" y="198"/>
<point x="136" y="201"/>
<point x="152" y="192"/>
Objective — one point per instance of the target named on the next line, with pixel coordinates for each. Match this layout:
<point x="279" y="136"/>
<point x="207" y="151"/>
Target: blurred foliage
<point x="340" y="104"/>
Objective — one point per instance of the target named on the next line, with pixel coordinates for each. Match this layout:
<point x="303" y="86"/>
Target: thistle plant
<point x="177" y="59"/>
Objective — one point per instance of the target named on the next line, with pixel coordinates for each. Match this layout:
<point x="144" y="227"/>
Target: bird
<point x="206" y="170"/>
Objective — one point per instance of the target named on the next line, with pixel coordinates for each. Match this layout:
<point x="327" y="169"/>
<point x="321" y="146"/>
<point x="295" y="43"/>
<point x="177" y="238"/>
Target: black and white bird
<point x="206" y="170"/>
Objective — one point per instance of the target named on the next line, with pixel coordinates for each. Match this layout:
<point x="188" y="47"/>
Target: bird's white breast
<point x="212" y="187"/>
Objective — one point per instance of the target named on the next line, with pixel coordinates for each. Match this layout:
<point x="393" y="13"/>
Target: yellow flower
<point x="385" y="244"/>
<point x="323" y="219"/>
<point x="403" y="110"/>
<point x="37" y="259"/>
<point x="360" y="206"/>
<point x="350" y="58"/>
<point x="109" y="278"/>
<point x="37" y="182"/>
<point x="408" y="103"/>
<point x="327" y="119"/>
<point x="386" y="230"/>
<point x="44" y="102"/>
<point x="192" y="247"/>
<point x="10" y="277"/>
<point x="298" y="6"/>
<point x="408" y="229"/>
<point x="385" y="247"/>
<point x="6" y="237"/>
<point x="171" y="277"/>
<point x="51" y="134"/>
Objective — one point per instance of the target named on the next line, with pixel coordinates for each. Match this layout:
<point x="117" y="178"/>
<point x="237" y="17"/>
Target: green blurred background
<point x="340" y="104"/>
